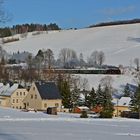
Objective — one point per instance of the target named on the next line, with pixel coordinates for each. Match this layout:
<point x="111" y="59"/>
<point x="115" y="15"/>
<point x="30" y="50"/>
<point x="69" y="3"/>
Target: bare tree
<point x="48" y="58"/>
<point x="63" y="55"/>
<point x="107" y="82"/>
<point x="101" y="58"/>
<point x="81" y="60"/>
<point x="67" y="55"/>
<point x="93" y="58"/>
<point x="136" y="61"/>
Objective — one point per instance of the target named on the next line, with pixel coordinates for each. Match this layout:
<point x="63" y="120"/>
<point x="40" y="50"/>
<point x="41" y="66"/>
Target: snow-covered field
<point x="121" y="43"/>
<point x="17" y="125"/>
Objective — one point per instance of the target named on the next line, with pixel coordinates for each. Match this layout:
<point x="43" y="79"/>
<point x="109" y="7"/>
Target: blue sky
<point x="71" y="13"/>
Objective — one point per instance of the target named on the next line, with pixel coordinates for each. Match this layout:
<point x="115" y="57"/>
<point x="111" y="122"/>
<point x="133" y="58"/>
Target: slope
<point x="121" y="43"/>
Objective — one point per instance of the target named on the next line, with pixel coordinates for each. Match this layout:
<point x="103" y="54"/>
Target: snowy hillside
<point x="121" y="43"/>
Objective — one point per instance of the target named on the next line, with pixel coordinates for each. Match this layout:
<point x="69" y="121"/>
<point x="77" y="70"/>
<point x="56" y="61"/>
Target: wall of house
<point x="4" y="101"/>
<point x="33" y="99"/>
<point x="52" y="103"/>
<point x="17" y="98"/>
<point x="119" y="109"/>
<point x="77" y="110"/>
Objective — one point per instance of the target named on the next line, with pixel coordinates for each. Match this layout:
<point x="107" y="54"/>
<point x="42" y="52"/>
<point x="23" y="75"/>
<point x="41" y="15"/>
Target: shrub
<point x="7" y="40"/>
<point x="106" y="113"/>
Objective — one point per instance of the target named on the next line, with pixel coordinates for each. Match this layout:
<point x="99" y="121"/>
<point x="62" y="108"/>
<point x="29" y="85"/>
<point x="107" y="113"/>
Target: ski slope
<point x="121" y="43"/>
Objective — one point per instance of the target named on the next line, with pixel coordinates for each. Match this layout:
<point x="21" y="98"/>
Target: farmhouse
<point x="122" y="105"/>
<point x="17" y="98"/>
<point x="43" y="95"/>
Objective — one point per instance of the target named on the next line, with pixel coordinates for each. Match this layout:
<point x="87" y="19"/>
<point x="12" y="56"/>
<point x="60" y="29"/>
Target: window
<point x="33" y="88"/>
<point x="35" y="96"/>
<point x="13" y="100"/>
<point x="20" y="93"/>
<point x="45" y="105"/>
<point x="27" y="104"/>
<point x="56" y="105"/>
<point x="24" y="93"/>
<point x="17" y="101"/>
<point x="31" y="96"/>
<point x="17" y="93"/>
<point x="0" y="102"/>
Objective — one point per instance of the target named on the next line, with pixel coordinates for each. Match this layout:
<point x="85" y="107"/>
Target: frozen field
<point x="16" y="125"/>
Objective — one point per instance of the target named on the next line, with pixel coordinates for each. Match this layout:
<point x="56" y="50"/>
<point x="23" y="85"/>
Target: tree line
<point x="20" y="29"/>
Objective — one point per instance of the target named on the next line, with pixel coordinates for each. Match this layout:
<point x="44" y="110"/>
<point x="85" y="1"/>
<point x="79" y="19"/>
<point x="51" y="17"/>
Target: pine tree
<point x="91" y="99"/>
<point x="100" y="96"/>
<point x="75" y="97"/>
<point x="107" y="111"/>
<point x="66" y="94"/>
<point x="135" y="103"/>
<point x="127" y="91"/>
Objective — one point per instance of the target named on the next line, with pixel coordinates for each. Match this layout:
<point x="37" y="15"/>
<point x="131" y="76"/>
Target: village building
<point x="5" y="93"/>
<point x="43" y="95"/>
<point x="121" y="105"/>
<point x="17" y="98"/>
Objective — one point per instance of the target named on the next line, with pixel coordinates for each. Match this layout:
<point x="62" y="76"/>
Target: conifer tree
<point x="65" y="93"/>
<point x="100" y="96"/>
<point x="135" y="103"/>
<point x="91" y="99"/>
<point x="126" y="91"/>
<point x="107" y="110"/>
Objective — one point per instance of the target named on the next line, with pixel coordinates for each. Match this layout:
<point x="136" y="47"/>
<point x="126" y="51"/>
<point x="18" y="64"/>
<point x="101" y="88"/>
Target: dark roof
<point x="48" y="90"/>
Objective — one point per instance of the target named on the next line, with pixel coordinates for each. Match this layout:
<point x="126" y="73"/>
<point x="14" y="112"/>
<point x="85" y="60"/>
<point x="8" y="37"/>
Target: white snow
<point x="124" y="101"/>
<point x="121" y="43"/>
<point x="7" y="90"/>
<point x="118" y="81"/>
<point x="17" y="125"/>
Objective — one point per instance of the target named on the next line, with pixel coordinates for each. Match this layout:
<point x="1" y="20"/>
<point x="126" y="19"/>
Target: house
<point x="121" y="105"/>
<point x="5" y="94"/>
<point x="79" y="109"/>
<point x="17" y="98"/>
<point x="43" y="95"/>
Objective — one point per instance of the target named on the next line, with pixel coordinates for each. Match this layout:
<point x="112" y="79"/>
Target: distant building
<point x="6" y="92"/>
<point x="43" y="95"/>
<point x="79" y="109"/>
<point x="121" y="105"/>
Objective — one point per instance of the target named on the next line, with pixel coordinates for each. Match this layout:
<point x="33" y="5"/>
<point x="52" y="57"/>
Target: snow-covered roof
<point x="83" y="108"/>
<point x="124" y="101"/>
<point x="11" y="89"/>
<point x="7" y="90"/>
<point x="4" y="88"/>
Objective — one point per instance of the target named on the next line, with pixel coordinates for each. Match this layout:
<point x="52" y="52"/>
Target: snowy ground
<point x="16" y="125"/>
<point x="121" y="44"/>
